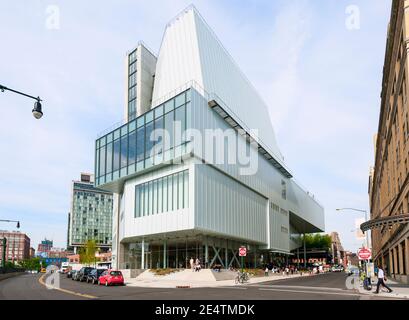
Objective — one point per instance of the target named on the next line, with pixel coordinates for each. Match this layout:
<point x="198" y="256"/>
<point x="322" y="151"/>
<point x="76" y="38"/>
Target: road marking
<point x="299" y="287"/>
<point x="41" y="281"/>
<point x="235" y="288"/>
<point x="312" y="292"/>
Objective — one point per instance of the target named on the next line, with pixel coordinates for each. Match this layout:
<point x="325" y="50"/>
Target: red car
<point x="111" y="277"/>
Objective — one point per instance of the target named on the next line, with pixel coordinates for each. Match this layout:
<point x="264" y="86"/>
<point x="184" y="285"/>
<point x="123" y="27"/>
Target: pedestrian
<point x="381" y="281"/>
<point x="197" y="265"/>
<point x="266" y="272"/>
<point x="192" y="266"/>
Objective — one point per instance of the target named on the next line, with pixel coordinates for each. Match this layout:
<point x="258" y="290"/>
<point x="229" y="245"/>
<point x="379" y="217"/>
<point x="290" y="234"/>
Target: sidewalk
<point x="400" y="291"/>
<point x="168" y="283"/>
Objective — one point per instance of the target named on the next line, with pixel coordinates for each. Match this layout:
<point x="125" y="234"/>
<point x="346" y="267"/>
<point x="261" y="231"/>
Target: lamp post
<point x="366" y="219"/>
<point x="4" y="244"/>
<point x="366" y="233"/>
<point x="37" y="111"/>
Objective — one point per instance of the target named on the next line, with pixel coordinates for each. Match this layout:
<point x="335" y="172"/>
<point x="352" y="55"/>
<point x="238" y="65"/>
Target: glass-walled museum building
<point x="195" y="170"/>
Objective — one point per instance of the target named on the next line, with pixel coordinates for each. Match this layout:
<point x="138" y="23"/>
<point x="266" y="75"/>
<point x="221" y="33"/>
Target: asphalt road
<point x="322" y="287"/>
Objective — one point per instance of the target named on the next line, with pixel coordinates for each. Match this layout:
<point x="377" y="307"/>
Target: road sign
<point x="243" y="252"/>
<point x="364" y="254"/>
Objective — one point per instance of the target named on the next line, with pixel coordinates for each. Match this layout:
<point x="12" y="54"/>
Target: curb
<point x="362" y="291"/>
<point x="10" y="275"/>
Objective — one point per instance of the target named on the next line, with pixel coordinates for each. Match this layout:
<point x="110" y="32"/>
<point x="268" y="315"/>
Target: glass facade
<point x="132" y="70"/>
<point x="91" y="216"/>
<point x="162" y="195"/>
<point x="133" y="147"/>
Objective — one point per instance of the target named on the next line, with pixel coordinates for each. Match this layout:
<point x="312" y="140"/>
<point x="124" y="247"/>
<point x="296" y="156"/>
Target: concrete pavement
<point x="400" y="291"/>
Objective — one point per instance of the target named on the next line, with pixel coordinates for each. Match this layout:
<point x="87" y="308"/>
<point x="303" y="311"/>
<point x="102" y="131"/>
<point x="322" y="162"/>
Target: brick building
<point x="388" y="182"/>
<point x="18" y="246"/>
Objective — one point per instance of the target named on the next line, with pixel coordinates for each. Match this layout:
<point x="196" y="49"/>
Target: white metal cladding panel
<point x="191" y="51"/>
<point x="222" y="76"/>
<point x="227" y="207"/>
<point x="267" y="179"/>
<point x="304" y="206"/>
<point x="158" y="223"/>
<point x="278" y="239"/>
<point x="178" y="60"/>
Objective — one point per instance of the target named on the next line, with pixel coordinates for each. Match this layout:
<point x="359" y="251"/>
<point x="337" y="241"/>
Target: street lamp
<point x="4" y="244"/>
<point x="18" y="222"/>
<point x="366" y="219"/>
<point x="37" y="111"/>
<point x="366" y="234"/>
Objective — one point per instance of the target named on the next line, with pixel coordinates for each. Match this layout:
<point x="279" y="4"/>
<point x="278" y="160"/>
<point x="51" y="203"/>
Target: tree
<point x="87" y="253"/>
<point x="318" y="241"/>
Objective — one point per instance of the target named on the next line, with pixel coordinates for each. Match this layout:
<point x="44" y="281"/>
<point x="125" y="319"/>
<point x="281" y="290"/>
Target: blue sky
<point x="321" y="81"/>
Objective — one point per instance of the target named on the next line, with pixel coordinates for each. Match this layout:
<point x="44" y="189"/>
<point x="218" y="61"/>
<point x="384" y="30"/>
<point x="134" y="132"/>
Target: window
<point x="119" y="150"/>
<point x="109" y="158"/>
<point x="169" y="130"/>
<point x="132" y="80"/>
<point x="116" y="154"/>
<point x="132" y="148"/>
<point x="180" y="122"/>
<point x="124" y="151"/>
<point x="162" y="195"/>
<point x="148" y="140"/>
<point x="140" y="144"/>
<point x="102" y="161"/>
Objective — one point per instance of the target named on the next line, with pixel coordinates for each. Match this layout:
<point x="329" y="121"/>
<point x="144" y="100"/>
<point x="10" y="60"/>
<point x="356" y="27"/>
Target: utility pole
<point x="3" y="261"/>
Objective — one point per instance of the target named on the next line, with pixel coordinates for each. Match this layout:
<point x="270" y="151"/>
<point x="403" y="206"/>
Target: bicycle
<point x="241" y="277"/>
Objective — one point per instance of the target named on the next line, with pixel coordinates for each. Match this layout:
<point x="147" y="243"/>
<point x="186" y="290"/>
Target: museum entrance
<point x="177" y="253"/>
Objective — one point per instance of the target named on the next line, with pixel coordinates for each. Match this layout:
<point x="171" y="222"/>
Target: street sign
<point x="364" y="254"/>
<point x="243" y="252"/>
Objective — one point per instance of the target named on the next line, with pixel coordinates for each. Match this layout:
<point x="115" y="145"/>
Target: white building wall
<point x="266" y="181"/>
<point x="159" y="223"/>
<point x="227" y="207"/>
<point x="191" y="51"/>
<point x="145" y="79"/>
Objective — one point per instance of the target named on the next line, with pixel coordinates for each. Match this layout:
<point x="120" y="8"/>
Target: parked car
<point x="94" y="275"/>
<point x="83" y="274"/>
<point x="70" y="273"/>
<point x="337" y="269"/>
<point x="75" y="274"/>
<point x="111" y="277"/>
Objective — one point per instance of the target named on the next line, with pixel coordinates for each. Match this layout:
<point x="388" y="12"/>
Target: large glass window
<point x="162" y="195"/>
<point x="124" y="151"/>
<point x="180" y="120"/>
<point x="158" y="137"/>
<point x="123" y="147"/>
<point x="169" y="130"/>
<point x="165" y="194"/>
<point x="132" y="148"/>
<point x="138" y="202"/>
<point x="102" y="161"/>
<point x="175" y="191"/>
<point x="117" y="150"/>
<point x="170" y="194"/>
<point x="186" y="189"/>
<point x="140" y="144"/>
<point x="109" y="157"/>
<point x="148" y="139"/>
